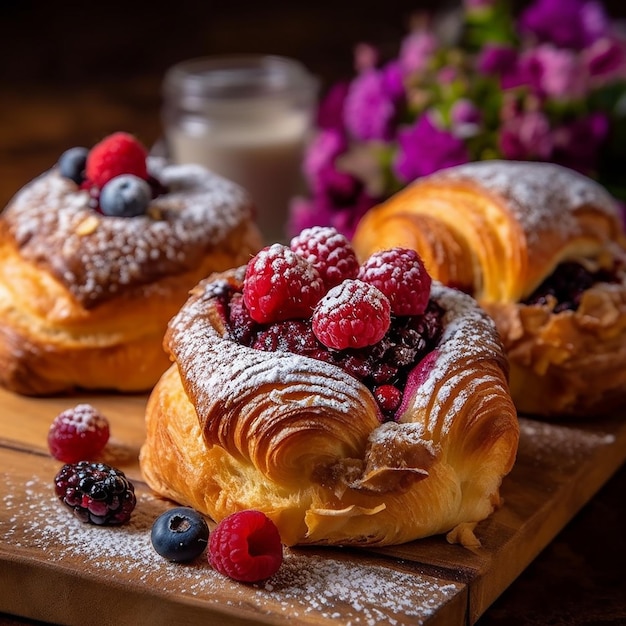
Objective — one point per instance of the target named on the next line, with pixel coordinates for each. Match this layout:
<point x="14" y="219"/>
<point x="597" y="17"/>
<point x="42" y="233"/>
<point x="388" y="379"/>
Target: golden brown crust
<point x="83" y="314"/>
<point x="497" y="230"/>
<point x="230" y="427"/>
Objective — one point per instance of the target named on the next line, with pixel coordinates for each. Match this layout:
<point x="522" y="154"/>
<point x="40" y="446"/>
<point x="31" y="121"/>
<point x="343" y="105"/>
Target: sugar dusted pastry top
<point x="98" y="256"/>
<point x="335" y="445"/>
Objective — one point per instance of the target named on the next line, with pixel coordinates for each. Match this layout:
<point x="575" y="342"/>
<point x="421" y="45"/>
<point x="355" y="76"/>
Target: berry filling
<point x="352" y="326"/>
<point x="565" y="286"/>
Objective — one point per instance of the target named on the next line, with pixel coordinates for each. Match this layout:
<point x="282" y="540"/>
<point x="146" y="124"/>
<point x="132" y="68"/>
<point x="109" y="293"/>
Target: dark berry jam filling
<point x="382" y="367"/>
<point x="567" y="284"/>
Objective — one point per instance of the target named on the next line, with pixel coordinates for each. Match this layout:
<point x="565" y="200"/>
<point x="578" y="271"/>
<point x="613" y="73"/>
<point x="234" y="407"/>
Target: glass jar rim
<point x="238" y="77"/>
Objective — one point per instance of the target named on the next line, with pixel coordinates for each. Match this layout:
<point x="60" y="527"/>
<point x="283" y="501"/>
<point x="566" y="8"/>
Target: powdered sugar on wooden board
<point x="306" y="586"/>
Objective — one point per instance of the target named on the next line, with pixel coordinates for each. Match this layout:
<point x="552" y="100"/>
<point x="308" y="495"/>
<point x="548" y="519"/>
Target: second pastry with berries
<point x="98" y="253"/>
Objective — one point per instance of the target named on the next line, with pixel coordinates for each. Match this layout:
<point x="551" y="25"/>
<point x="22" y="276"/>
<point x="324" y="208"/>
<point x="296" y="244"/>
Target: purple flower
<point x="330" y="110"/>
<point x="423" y="149"/>
<point x="566" y="23"/>
<point x="465" y="118"/>
<point x="370" y="106"/>
<point x="578" y="144"/>
<point x="554" y="72"/>
<point x="605" y="59"/>
<point x="526" y="137"/>
<point x="325" y="147"/>
<point x="502" y="61"/>
<point x="416" y="51"/>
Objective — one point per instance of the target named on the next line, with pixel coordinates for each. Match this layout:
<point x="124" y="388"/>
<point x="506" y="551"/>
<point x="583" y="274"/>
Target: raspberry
<point x="354" y="314"/>
<point x="96" y="492"/>
<point x="78" y="433"/>
<point x="330" y="253"/>
<point x="400" y="274"/>
<point x="246" y="546"/>
<point x="119" y="153"/>
<point x="280" y="285"/>
<point x="388" y="398"/>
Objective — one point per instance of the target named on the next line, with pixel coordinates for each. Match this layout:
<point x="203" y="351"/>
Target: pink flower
<point x="423" y="149"/>
<point x="605" y="59"/>
<point x="330" y="110"/>
<point x="416" y="51"/>
<point x="566" y="23"/>
<point x="321" y="154"/>
<point x="578" y="144"/>
<point x="370" y="106"/>
<point x="554" y="72"/>
<point x="526" y="136"/>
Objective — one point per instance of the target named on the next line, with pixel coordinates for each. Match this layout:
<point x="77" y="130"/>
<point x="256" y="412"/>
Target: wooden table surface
<point x="64" y="83"/>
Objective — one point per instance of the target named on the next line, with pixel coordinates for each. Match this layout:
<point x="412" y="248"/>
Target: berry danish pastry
<point x="542" y="249"/>
<point x="352" y="404"/>
<point x="97" y="254"/>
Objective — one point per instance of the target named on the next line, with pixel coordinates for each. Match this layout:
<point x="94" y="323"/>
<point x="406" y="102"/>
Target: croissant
<point x="85" y="298"/>
<point x="542" y="249"/>
<point x="231" y="427"/>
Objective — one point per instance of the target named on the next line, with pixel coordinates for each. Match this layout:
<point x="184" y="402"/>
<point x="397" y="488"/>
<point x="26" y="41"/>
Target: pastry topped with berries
<point x="98" y="253"/>
<point x="351" y="403"/>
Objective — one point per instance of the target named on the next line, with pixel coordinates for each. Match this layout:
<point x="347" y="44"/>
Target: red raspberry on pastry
<point x="330" y="253"/>
<point x="280" y="285"/>
<point x="354" y="314"/>
<point x="400" y="274"/>
<point x="119" y="153"/>
<point x="246" y="546"/>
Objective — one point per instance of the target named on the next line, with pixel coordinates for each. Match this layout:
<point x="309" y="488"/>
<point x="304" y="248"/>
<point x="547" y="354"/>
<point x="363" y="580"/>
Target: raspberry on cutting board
<point x="246" y="546"/>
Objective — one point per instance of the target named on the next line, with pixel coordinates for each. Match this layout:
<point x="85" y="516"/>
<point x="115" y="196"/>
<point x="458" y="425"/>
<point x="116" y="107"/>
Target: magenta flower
<point x="605" y="59"/>
<point x="565" y="23"/>
<point x="416" y="51"/>
<point x="325" y="147"/>
<point x="526" y="137"/>
<point x="547" y="85"/>
<point x="330" y="109"/>
<point x="370" y="106"/>
<point x="554" y="72"/>
<point x="423" y="149"/>
<point x="578" y="144"/>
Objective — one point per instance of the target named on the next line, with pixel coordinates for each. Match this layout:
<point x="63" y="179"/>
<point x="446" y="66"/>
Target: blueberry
<point x="126" y="195"/>
<point x="72" y="164"/>
<point x="180" y="534"/>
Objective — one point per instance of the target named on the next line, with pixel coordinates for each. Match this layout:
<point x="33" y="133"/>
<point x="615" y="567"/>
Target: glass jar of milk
<point x="247" y="118"/>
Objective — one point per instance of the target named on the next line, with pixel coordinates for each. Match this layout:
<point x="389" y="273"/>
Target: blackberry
<point x="96" y="492"/>
<point x="566" y="285"/>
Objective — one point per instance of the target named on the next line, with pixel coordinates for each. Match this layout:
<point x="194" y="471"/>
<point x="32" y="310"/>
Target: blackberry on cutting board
<point x="96" y="492"/>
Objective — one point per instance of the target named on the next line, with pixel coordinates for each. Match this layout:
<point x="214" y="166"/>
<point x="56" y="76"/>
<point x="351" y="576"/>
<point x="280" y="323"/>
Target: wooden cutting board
<point x="54" y="568"/>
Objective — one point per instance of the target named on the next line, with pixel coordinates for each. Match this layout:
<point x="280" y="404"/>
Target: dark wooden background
<point x="73" y="72"/>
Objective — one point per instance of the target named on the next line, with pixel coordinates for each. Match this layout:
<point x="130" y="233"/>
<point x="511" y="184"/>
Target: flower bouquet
<point x="482" y="83"/>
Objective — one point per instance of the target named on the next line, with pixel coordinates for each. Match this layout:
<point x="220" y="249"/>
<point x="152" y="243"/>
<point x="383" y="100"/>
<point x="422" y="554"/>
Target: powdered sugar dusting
<point x="543" y="196"/>
<point x="308" y="587"/>
<point x="97" y="256"/>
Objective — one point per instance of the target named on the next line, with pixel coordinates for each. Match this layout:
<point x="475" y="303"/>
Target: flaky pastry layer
<point x="497" y="230"/>
<point x="230" y="428"/>
<point x="69" y="319"/>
